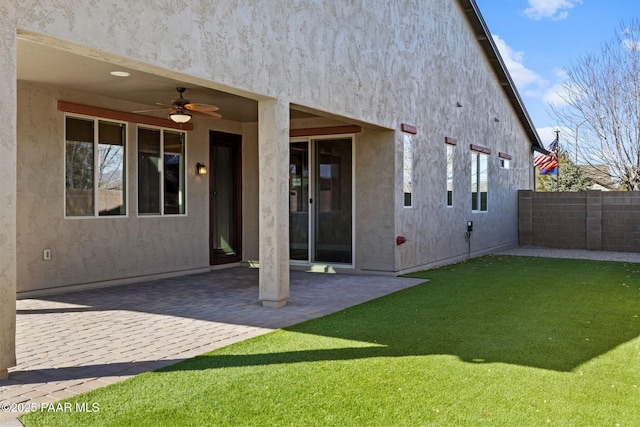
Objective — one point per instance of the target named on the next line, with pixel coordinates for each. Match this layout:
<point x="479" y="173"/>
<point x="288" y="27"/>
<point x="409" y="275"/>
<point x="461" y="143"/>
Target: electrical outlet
<point x="46" y="254"/>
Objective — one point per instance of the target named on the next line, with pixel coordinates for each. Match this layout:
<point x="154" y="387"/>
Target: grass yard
<point x="502" y="341"/>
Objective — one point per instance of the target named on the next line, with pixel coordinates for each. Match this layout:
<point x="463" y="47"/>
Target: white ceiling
<point x="46" y="65"/>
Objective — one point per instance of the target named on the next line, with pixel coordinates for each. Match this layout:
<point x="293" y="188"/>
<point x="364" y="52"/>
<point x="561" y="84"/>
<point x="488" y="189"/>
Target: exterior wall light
<point x="201" y="169"/>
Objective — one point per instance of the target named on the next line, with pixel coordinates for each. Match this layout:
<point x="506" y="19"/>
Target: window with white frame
<point x="449" y="175"/>
<point x="161" y="172"/>
<point x="479" y="181"/>
<point x="408" y="171"/>
<point x="95" y="158"/>
<point x="505" y="160"/>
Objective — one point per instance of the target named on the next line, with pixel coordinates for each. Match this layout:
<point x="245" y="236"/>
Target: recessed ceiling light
<point x="120" y="73"/>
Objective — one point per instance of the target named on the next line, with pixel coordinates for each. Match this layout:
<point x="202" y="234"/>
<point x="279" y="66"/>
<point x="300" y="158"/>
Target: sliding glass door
<point x="299" y="201"/>
<point x="321" y="201"/>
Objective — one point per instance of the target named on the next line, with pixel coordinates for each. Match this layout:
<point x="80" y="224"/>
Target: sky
<point x="538" y="39"/>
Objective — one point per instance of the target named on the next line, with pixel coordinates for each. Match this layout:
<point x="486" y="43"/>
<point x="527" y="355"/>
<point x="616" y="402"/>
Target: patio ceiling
<point x="38" y="63"/>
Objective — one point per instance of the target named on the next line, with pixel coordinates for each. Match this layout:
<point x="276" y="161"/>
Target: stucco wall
<point x="376" y="188"/>
<point x="456" y="71"/>
<point x="378" y="63"/>
<point x="8" y="154"/>
<point x="331" y="56"/>
<point x="102" y="249"/>
<point x="250" y="192"/>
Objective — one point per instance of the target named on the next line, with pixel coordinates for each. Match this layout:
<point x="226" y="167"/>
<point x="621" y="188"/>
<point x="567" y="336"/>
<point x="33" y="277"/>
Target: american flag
<point x="548" y="164"/>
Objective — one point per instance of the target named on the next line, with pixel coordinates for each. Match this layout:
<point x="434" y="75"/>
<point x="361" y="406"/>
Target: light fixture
<point x="120" y="73"/>
<point x="201" y="169"/>
<point x="179" y="116"/>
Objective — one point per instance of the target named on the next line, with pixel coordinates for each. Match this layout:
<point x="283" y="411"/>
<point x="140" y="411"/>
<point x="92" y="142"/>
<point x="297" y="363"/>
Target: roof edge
<point x="483" y="35"/>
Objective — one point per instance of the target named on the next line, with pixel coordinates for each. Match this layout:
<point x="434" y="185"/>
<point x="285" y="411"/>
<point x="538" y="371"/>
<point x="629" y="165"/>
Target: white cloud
<point x="547" y="134"/>
<point x="556" y="94"/>
<point x="553" y="9"/>
<point x="525" y="79"/>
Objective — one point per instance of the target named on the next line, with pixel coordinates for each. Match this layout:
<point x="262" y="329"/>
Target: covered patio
<point x="78" y="341"/>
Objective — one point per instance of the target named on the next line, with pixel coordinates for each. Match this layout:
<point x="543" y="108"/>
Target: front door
<point x="225" y="197"/>
<point x="321" y="201"/>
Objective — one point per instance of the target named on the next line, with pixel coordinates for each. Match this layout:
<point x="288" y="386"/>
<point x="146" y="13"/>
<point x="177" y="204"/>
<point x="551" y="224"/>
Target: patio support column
<point x="8" y="189"/>
<point x="273" y="166"/>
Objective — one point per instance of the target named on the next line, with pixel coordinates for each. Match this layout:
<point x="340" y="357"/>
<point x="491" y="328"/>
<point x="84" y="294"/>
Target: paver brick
<point x="64" y="350"/>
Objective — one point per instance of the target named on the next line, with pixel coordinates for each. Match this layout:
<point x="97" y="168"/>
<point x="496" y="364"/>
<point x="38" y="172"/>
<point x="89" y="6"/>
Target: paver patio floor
<point x="75" y="342"/>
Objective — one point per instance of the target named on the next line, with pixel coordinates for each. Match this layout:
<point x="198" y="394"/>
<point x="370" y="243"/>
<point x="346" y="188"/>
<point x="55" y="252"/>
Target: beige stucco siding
<point x="384" y="63"/>
<point x="8" y="167"/>
<point x="356" y="60"/>
<point x="376" y="188"/>
<point x="250" y="170"/>
<point x="101" y="249"/>
<point x="330" y="56"/>
<point x="375" y="64"/>
<point x="458" y="72"/>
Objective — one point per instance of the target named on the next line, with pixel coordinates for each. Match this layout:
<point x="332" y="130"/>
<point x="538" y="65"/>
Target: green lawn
<point x="509" y="341"/>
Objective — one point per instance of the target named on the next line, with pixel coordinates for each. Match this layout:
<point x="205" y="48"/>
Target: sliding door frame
<point x="312" y="194"/>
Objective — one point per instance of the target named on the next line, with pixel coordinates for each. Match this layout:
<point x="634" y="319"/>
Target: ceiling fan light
<point x="180" y="117"/>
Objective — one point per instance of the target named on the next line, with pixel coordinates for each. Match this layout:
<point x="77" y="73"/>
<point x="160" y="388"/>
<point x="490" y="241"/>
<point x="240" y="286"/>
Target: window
<point x="95" y="178"/>
<point x="479" y="181"/>
<point x="161" y="172"/>
<point x="449" y="175"/>
<point x="408" y="171"/>
<point x="505" y="160"/>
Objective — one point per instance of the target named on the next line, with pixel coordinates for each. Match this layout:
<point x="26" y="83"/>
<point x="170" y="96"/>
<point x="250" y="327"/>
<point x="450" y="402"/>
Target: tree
<point x="602" y="92"/>
<point x="570" y="177"/>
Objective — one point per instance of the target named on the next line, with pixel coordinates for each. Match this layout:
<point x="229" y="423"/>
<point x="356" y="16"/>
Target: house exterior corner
<point x="341" y="146"/>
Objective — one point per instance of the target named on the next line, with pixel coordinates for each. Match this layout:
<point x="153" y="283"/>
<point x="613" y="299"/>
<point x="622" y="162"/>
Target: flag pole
<point x="557" y="153"/>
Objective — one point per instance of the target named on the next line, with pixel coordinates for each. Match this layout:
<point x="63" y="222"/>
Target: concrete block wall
<point x="621" y="221"/>
<point x="593" y="220"/>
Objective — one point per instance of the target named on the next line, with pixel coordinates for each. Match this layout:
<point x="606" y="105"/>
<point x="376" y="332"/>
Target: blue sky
<point x="537" y="39"/>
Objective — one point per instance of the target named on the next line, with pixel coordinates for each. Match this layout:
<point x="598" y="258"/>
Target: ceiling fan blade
<point x="150" y="109"/>
<point x="211" y="114"/>
<point x="183" y="105"/>
<point x="201" y="107"/>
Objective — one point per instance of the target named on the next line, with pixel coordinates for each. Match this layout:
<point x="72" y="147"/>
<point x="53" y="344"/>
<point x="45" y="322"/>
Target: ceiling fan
<point x="181" y="108"/>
